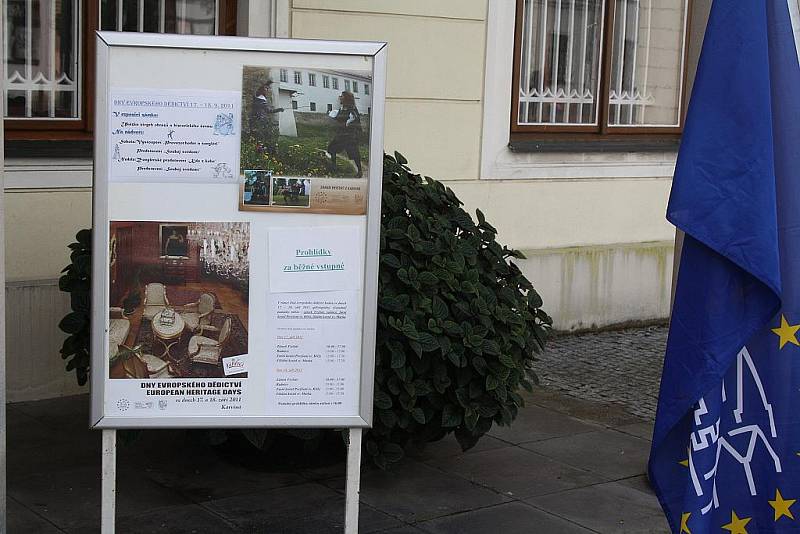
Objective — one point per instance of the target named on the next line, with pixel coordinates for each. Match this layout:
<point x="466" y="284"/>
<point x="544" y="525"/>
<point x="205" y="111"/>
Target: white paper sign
<point x="314" y="259"/>
<point x="174" y="136"/>
<point x="314" y="363"/>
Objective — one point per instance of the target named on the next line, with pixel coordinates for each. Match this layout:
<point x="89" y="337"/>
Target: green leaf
<point x="392" y="452"/>
<point x="74" y="322"/>
<point x="391" y="260"/>
<point x="398" y="359"/>
<point x="491" y="383"/>
<point x="382" y="400"/>
<point x="507" y="360"/>
<point x="491" y="347"/>
<point x="418" y="415"/>
<point x="451" y="416"/>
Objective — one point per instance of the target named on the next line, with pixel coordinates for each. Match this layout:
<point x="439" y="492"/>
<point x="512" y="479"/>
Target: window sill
<point x="594" y="145"/>
<point x="17" y="148"/>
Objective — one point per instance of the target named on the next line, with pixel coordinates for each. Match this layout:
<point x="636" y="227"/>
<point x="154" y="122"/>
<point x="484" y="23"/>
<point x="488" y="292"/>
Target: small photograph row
<point x="262" y="189"/>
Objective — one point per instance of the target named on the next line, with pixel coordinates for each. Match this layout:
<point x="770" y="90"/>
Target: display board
<point x="236" y="231"/>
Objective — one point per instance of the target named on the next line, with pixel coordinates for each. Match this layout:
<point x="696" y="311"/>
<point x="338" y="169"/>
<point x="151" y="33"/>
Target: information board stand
<point x="236" y="237"/>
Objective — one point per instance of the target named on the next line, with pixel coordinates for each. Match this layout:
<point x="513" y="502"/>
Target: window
<point x="312" y="79"/>
<point x="298" y="78"/>
<point x="326" y="82"/>
<point x="599" y="66"/>
<point x="366" y="89"/>
<point x="294" y="104"/>
<point x="284" y="75"/>
<point x="330" y="108"/>
<point x="312" y="106"/>
<point x="347" y="85"/>
<point x="355" y="87"/>
<point x="48" y="85"/>
<point x="335" y="83"/>
<point x="369" y="111"/>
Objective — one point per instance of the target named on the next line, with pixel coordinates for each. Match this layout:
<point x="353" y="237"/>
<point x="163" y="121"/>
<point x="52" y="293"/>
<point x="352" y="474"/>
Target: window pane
<point x="197" y="17"/>
<point x="560" y="61"/>
<point x="41" y="63"/>
<point x="647" y="63"/>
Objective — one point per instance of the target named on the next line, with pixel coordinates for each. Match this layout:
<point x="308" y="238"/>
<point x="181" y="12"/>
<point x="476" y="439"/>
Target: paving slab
<point x="642" y="430"/>
<point x="20" y="519"/>
<point x="448" y="446"/>
<point x="517" y="472"/>
<point x="534" y="423"/>
<point x="412" y="492"/>
<point x="70" y="499"/>
<point x="613" y="454"/>
<point x="511" y="518"/>
<point x="611" y="507"/>
<point x="190" y="519"/>
<point x="407" y="529"/>
<point x="300" y="509"/>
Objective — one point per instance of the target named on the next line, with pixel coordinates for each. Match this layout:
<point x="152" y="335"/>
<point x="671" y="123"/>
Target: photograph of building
<point x="179" y="298"/>
<point x="300" y="122"/>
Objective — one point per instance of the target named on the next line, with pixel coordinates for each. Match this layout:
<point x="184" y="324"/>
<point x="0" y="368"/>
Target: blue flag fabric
<point x="726" y="444"/>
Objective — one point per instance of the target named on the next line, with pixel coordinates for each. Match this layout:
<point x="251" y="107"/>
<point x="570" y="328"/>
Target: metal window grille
<point x="560" y="61"/>
<point x="562" y="58"/>
<point x="42" y="57"/>
<point x="42" y="74"/>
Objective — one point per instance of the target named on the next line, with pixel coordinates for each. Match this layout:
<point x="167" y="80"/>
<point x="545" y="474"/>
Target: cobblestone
<point x="618" y="367"/>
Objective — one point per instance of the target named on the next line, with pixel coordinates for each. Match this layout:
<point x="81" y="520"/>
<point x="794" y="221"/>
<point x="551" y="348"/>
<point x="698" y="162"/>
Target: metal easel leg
<point x="353" y="482"/>
<point x="108" y="482"/>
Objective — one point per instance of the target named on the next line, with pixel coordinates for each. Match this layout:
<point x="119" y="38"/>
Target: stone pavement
<point x="568" y="465"/>
<point x="621" y="367"/>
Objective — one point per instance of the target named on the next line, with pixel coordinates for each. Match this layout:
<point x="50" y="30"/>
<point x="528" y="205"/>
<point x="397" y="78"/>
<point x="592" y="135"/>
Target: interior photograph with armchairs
<point x="179" y="294"/>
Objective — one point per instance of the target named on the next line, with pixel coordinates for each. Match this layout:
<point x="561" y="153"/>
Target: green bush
<point x="458" y="323"/>
<point x="76" y="280"/>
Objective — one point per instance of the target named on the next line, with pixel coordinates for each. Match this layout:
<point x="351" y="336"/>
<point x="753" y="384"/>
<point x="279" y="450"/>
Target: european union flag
<point x="726" y="445"/>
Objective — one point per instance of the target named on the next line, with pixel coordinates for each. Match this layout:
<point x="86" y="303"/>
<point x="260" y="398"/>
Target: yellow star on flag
<point x="685" y="463"/>
<point x="782" y="506"/>
<point x="685" y="523"/>
<point x="786" y="332"/>
<point x="737" y="524"/>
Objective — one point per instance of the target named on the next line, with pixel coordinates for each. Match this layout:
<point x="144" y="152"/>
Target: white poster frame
<point x="107" y="44"/>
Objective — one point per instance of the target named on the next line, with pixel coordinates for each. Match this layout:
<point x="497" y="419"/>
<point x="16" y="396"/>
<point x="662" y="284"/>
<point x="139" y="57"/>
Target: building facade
<point x="559" y="119"/>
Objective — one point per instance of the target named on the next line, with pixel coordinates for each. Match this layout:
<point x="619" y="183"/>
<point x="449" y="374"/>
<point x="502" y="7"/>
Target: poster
<point x="178" y="315"/>
<point x="305" y="139"/>
<point x="230" y="277"/>
<point x="174" y="136"/>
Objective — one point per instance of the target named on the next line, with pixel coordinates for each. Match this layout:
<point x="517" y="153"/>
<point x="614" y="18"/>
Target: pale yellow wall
<point x="40" y="224"/>
<point x="435" y="72"/>
<point x="547" y="214"/>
